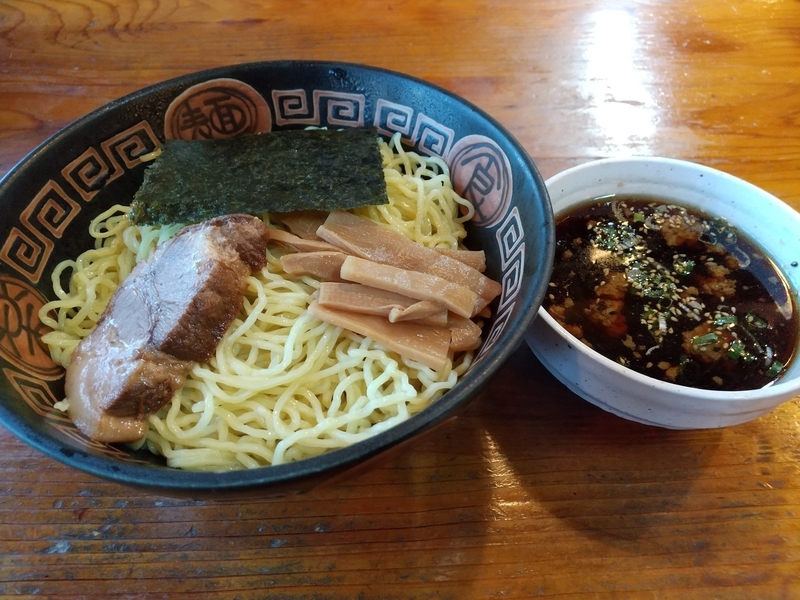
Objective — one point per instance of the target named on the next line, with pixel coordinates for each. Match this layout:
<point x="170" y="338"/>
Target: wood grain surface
<point x="532" y="492"/>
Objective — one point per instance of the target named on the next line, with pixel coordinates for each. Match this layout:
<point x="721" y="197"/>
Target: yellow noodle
<point x="282" y="386"/>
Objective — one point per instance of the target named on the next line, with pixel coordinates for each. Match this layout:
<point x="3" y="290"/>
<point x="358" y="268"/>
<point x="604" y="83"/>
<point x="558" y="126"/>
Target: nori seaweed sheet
<point x="279" y="171"/>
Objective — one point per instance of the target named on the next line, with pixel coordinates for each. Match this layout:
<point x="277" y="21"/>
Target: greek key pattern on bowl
<point x="51" y="210"/>
<point x="327" y="108"/>
<point x="510" y="239"/>
<point x="428" y="136"/>
<point x="30" y="244"/>
<point x="500" y="322"/>
<point x="37" y="394"/>
<point x="391" y="118"/>
<point x="25" y="253"/>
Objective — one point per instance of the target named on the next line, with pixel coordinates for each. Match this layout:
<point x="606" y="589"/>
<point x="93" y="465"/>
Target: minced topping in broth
<point x="671" y="294"/>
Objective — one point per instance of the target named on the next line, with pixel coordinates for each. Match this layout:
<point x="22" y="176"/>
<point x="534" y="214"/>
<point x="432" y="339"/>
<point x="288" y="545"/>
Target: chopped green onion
<point x="721" y="320"/>
<point x="774" y="368"/>
<point x="736" y="349"/>
<point x="613" y="236"/>
<point x="683" y="267"/>
<point x="755" y="321"/>
<point x="689" y="370"/>
<point x="704" y="340"/>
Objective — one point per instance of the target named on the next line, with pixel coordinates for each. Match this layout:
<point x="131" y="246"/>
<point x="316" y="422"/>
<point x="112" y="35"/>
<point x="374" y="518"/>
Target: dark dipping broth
<point x="672" y="294"/>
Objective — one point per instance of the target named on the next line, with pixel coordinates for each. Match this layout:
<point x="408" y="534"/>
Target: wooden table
<point x="533" y="492"/>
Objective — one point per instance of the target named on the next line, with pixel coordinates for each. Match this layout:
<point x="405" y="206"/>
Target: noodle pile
<point x="282" y="386"/>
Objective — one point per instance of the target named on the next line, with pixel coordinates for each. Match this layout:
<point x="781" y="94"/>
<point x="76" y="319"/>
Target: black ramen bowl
<point x="49" y="199"/>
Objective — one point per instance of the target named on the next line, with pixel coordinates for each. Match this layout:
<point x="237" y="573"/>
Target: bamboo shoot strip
<point x="373" y="301"/>
<point x="421" y="310"/>
<point x="452" y="296"/>
<point x="382" y="244"/>
<point x="474" y="258"/>
<point x="275" y="171"/>
<point x="302" y="223"/>
<point x="298" y="244"/>
<point x="465" y="334"/>
<point x="324" y="266"/>
<point x="427" y="345"/>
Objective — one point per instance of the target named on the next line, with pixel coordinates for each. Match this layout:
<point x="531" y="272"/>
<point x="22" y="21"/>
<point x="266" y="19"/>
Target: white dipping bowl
<point x="763" y="218"/>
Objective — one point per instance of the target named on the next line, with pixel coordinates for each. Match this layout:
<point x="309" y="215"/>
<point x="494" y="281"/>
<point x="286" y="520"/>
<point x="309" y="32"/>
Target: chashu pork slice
<point x="169" y="313"/>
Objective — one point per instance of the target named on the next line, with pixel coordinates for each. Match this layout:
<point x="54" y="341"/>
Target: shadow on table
<point x="612" y="479"/>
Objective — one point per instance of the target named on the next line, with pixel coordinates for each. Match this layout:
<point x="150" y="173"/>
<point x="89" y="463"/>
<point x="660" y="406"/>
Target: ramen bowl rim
<point x="302" y="475"/>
